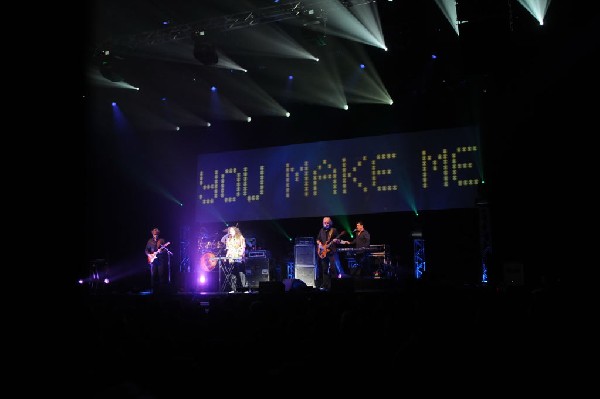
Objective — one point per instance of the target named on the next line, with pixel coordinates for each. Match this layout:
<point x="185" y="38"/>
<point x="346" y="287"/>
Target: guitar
<point x="153" y="256"/>
<point x="322" y="250"/>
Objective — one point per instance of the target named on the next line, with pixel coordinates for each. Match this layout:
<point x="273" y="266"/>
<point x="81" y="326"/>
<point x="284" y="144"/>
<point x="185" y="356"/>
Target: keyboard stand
<point x="227" y="267"/>
<point x="226" y="270"/>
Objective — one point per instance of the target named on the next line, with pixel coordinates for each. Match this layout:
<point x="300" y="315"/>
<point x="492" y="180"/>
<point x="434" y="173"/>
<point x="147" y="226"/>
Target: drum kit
<point x="211" y="249"/>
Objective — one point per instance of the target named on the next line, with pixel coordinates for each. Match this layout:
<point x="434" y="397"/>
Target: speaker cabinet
<point x="257" y="270"/>
<point x="513" y="274"/>
<point x="306" y="274"/>
<point x="305" y="255"/>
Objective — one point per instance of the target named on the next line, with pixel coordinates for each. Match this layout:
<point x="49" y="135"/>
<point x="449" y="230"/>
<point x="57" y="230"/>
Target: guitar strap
<point x="329" y="234"/>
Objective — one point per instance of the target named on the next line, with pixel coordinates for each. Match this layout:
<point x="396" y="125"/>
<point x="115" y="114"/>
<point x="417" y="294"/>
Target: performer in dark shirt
<point x="361" y="242"/>
<point x="159" y="259"/>
<point x="328" y="262"/>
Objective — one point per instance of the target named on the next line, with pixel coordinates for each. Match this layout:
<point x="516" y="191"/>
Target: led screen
<point x="427" y="170"/>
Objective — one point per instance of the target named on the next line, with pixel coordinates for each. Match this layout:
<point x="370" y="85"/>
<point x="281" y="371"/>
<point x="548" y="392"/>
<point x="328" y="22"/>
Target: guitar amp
<point x="306" y="274"/>
<point x="305" y="241"/>
<point x="304" y="255"/>
<point x="257" y="270"/>
<point x="259" y="253"/>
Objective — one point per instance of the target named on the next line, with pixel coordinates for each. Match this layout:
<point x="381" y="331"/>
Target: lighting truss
<point x="260" y="16"/>
<point x="419" y="256"/>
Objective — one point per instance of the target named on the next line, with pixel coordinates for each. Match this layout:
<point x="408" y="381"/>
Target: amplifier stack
<point x="305" y="261"/>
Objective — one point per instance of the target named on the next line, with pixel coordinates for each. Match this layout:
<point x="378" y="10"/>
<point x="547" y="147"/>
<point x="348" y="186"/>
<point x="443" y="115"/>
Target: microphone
<point x="355" y="230"/>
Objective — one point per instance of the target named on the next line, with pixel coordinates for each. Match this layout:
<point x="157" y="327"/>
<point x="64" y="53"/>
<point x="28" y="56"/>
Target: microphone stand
<point x="169" y="254"/>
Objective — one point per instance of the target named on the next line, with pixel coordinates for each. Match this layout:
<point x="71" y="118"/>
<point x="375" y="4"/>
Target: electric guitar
<point x="322" y="250"/>
<point x="153" y="256"/>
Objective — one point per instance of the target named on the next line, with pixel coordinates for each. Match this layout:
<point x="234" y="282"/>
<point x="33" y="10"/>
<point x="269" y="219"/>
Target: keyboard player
<point x="361" y="243"/>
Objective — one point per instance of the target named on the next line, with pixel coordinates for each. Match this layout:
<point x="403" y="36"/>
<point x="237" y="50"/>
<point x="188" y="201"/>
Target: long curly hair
<point x="237" y="231"/>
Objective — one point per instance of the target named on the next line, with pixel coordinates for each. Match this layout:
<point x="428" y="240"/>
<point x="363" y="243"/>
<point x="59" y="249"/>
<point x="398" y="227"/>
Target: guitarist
<point x="158" y="257"/>
<point x="328" y="259"/>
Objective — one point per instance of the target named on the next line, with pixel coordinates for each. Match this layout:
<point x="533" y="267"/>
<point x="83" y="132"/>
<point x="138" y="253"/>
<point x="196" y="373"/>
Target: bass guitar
<point x="153" y="256"/>
<point x="323" y="250"/>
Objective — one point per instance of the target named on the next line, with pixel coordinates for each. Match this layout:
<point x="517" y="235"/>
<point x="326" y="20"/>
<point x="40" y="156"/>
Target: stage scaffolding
<point x="485" y="237"/>
<point x="418" y="253"/>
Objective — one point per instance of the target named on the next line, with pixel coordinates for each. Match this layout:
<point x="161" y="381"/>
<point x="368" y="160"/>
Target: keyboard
<point x="215" y="258"/>
<point x="350" y="250"/>
<point x="372" y="250"/>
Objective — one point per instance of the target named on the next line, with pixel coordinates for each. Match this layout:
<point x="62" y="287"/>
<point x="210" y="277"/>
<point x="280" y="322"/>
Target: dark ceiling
<point x="499" y="37"/>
